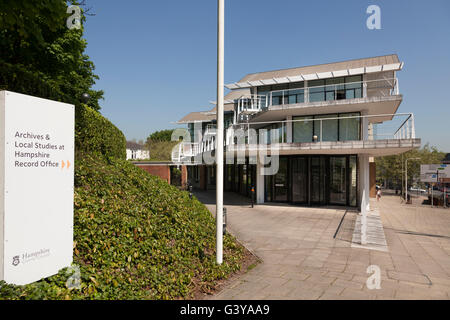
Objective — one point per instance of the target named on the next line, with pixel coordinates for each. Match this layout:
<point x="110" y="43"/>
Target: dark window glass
<point x="302" y="130"/>
<point x="328" y="128"/>
<point x="316" y="90"/>
<point x="338" y="180"/>
<point x="349" y="128"/>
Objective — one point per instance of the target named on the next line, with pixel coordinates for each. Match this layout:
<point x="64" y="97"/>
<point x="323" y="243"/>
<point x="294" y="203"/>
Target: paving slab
<point x="307" y="253"/>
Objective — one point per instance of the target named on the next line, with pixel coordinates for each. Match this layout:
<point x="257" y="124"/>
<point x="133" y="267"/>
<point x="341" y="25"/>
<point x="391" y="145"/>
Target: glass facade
<point x="314" y="180"/>
<point x="335" y="89"/>
<point x="349" y="127"/>
<point x="350" y="87"/>
<point x="303" y="130"/>
<point x="338" y="180"/>
<point x="326" y="130"/>
<point x="345" y="127"/>
<point x="267" y="135"/>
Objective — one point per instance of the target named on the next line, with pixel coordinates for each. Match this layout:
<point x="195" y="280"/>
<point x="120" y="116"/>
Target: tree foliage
<point x="36" y="42"/>
<point x="162" y="135"/>
<point x="391" y="169"/>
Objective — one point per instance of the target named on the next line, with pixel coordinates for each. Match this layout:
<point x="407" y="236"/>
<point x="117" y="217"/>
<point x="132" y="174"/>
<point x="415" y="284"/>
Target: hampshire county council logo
<point x="16" y="261"/>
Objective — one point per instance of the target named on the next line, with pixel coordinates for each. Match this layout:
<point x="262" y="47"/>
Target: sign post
<point x="433" y="174"/>
<point x="36" y="186"/>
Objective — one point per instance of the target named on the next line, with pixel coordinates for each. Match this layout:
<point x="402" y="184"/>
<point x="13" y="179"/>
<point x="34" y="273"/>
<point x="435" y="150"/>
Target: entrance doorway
<point x="300" y="180"/>
<point x="281" y="182"/>
<point x="314" y="180"/>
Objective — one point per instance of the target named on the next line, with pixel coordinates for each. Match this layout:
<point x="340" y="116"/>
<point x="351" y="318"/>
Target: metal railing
<point x="329" y="92"/>
<point x="185" y="150"/>
<point x="350" y="128"/>
<point x="211" y="129"/>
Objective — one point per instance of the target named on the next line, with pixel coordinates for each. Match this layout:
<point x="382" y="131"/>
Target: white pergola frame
<point x="316" y="76"/>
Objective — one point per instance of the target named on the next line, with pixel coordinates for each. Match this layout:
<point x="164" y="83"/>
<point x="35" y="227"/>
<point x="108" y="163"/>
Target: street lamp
<point x="85" y="97"/>
<point x="406" y="177"/>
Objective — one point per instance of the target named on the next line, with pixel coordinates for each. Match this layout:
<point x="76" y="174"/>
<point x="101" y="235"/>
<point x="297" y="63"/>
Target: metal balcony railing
<point x="332" y="92"/>
<point x="210" y="129"/>
<point x="251" y="104"/>
<point x="307" y="130"/>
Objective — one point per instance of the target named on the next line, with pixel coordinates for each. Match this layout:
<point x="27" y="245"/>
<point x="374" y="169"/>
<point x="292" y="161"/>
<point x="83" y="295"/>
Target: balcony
<point x="377" y="135"/>
<point x="322" y="95"/>
<point x="210" y="129"/>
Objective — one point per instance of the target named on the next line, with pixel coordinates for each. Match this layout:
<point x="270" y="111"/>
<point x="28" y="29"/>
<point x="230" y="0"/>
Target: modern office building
<point x="321" y="126"/>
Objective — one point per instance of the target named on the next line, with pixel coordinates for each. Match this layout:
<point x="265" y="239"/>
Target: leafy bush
<point x="94" y="134"/>
<point x="162" y="135"/>
<point x="136" y="237"/>
<point x="161" y="150"/>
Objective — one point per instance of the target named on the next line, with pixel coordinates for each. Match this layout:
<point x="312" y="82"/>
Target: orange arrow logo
<point x="63" y="164"/>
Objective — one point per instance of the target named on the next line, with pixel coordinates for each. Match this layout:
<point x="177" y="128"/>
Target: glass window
<point x="353" y="181"/>
<point x="296" y="85"/>
<point x="296" y="96"/>
<point x="338" y="180"/>
<point x="276" y="132"/>
<point x="303" y="130"/>
<point x="349" y="127"/>
<point x="330" y="95"/>
<point x="277" y="98"/>
<point x="228" y="119"/>
<point x="328" y="128"/>
<point x="353" y="87"/>
<point x="316" y="90"/>
<point x="244" y="180"/>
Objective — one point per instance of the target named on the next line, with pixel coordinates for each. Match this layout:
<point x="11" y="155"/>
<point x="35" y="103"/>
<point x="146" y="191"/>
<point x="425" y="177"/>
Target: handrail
<point x="342" y="84"/>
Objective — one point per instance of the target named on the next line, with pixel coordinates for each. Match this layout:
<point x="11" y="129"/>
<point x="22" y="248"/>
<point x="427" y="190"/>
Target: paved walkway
<point x="303" y="260"/>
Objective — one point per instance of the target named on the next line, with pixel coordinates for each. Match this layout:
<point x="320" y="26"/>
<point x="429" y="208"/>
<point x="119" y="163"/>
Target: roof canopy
<point x="323" y="71"/>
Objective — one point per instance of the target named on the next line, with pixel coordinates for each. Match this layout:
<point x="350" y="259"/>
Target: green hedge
<point x="94" y="134"/>
<point x="135" y="237"/>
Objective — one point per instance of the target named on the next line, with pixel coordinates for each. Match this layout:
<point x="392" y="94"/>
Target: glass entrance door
<point x="281" y="182"/>
<point x="318" y="180"/>
<point x="338" y="180"/>
<point x="299" y="167"/>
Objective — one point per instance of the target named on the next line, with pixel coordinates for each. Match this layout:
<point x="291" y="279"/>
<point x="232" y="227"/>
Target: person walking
<point x="378" y="193"/>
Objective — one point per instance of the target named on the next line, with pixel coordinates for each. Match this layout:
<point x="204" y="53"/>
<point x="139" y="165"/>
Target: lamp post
<point x="85" y="97"/>
<point x="219" y="142"/>
<point x="406" y="177"/>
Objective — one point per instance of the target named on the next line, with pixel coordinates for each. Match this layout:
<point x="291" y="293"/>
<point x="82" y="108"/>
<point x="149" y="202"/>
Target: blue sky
<point x="157" y="59"/>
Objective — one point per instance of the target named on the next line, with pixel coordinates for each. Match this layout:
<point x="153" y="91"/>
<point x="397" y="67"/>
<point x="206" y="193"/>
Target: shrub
<point x="136" y="237"/>
<point x="94" y="134"/>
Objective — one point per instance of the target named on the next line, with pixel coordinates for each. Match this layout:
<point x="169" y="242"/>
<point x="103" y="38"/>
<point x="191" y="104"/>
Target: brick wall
<point x="162" y="170"/>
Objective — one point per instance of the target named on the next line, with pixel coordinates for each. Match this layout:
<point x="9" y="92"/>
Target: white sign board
<point x="36" y="187"/>
<point x="434" y="172"/>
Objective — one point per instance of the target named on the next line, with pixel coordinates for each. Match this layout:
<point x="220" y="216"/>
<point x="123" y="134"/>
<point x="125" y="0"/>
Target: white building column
<point x="259" y="183"/>
<point x="289" y="129"/>
<point x="365" y="192"/>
